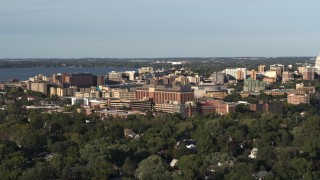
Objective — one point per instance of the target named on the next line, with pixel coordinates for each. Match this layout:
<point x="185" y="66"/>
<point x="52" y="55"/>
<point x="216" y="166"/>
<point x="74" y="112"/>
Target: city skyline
<point x="144" y="29"/>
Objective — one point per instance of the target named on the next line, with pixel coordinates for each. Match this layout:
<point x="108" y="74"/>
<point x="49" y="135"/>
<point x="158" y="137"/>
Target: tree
<point x="301" y="166"/>
<point x="234" y="97"/>
<point x="13" y="165"/>
<point x="35" y="93"/>
<point x="152" y="168"/>
<point x="149" y="114"/>
<point x="241" y="170"/>
<point x="129" y="166"/>
<point x="191" y="167"/>
<point x="39" y="171"/>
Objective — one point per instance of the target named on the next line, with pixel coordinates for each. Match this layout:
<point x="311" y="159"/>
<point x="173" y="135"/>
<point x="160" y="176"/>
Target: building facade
<point x="287" y="76"/>
<point x="251" y="85"/>
<point x="165" y="95"/>
<point x="298" y="99"/>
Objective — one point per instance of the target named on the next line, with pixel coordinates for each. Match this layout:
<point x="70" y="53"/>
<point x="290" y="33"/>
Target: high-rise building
<point x="251" y="85"/>
<point x="236" y="74"/>
<point x="39" y="87"/>
<point x="82" y="80"/>
<point x="308" y="73"/>
<point x="130" y="75"/>
<point x="165" y="95"/>
<point x="218" y="77"/>
<point x="60" y="78"/>
<point x="278" y="68"/>
<point x="271" y="74"/>
<point x="194" y="79"/>
<point x="182" y="80"/>
<point x="100" y="80"/>
<point x="262" y="69"/>
<point x="317" y="64"/>
<point x="287" y="76"/>
<point x="78" y="80"/>
<point x="114" y="75"/>
<point x="240" y="75"/>
<point x="253" y="74"/>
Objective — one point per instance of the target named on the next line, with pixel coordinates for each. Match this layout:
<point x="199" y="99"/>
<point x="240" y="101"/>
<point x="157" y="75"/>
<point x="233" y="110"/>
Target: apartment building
<point x="298" y="99"/>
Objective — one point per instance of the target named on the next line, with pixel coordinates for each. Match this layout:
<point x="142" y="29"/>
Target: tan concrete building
<point x="269" y="79"/>
<point x="308" y="74"/>
<point x="241" y="74"/>
<point x="39" y="87"/>
<point x="261" y="69"/>
<point x="298" y="99"/>
<point x="124" y="94"/>
<point x="287" y="76"/>
<point x="253" y="74"/>
<point x="308" y="89"/>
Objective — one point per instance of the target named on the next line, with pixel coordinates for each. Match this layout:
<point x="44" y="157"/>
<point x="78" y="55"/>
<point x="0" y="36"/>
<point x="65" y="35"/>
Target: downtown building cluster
<point x="176" y="90"/>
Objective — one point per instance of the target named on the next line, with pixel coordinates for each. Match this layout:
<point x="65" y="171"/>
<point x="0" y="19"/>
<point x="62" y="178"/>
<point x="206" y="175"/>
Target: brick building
<point x="165" y="94"/>
<point x="222" y="107"/>
<point x="204" y="108"/>
<point x="273" y="106"/>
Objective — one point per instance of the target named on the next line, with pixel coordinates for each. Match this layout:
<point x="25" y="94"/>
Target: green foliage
<point x="64" y="146"/>
<point x="190" y="167"/>
<point x="234" y="97"/>
<point x="35" y="94"/>
<point x="152" y="168"/>
<point x="129" y="166"/>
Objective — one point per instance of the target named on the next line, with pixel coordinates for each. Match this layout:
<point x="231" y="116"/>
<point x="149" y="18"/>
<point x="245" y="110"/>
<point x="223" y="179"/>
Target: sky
<point x="158" y="28"/>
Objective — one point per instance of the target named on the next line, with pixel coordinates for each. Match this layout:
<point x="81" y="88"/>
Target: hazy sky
<point x="158" y="28"/>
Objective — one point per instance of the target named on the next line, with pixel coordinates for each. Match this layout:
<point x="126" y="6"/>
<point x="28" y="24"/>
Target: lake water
<point x="24" y="73"/>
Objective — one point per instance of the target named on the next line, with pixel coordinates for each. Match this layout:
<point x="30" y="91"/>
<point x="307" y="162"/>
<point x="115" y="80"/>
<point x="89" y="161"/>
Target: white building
<point x="271" y="74"/>
<point x="114" y="75"/>
<point x="317" y="64"/>
<point x="233" y="72"/>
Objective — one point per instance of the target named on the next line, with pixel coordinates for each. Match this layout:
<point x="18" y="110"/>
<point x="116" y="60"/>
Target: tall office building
<point x="253" y="74"/>
<point x="130" y="75"/>
<point x="165" y="95"/>
<point x="241" y="74"/>
<point x="114" y="75"/>
<point x="236" y="74"/>
<point x="83" y="80"/>
<point x="251" y="85"/>
<point x="261" y="69"/>
<point x="38" y="86"/>
<point x="100" y="80"/>
<point x="278" y="68"/>
<point x="218" y="77"/>
<point x="287" y="76"/>
<point x="308" y="73"/>
<point x="60" y="78"/>
<point x="317" y="64"/>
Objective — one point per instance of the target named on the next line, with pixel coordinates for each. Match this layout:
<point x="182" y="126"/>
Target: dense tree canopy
<point x="35" y="145"/>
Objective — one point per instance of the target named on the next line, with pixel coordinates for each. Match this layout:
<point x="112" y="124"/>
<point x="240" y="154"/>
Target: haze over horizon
<point x="153" y="29"/>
